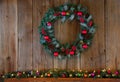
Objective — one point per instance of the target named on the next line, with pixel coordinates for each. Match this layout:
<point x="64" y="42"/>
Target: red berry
<point x="98" y="71"/>
<point x="79" y="13"/>
<point x="108" y="71"/>
<point x="56" y="14"/>
<point x="63" y="49"/>
<point x="46" y="37"/>
<point x="19" y="73"/>
<point x="84" y="31"/>
<point x="63" y="13"/>
<point x="90" y="23"/>
<point x="67" y="51"/>
<point x="85" y="46"/>
<point x="116" y="72"/>
<point x="63" y="75"/>
<point x="73" y="48"/>
<point x="43" y="31"/>
<point x="72" y="52"/>
<point x="55" y="54"/>
<point x="49" y="40"/>
<point x="82" y="20"/>
<point x="49" y="23"/>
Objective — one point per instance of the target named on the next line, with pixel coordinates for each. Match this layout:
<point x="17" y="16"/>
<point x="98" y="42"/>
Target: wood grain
<point x="2" y="25"/>
<point x="62" y="80"/>
<point x="94" y="57"/>
<point x="8" y="38"/>
<point x="25" y="34"/>
<point x="41" y="59"/>
<point x="112" y="34"/>
<point x="19" y="38"/>
<point x="12" y="27"/>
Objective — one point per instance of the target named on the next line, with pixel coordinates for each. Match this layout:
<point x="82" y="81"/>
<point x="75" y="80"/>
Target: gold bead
<point x="34" y="76"/>
<point x="70" y="75"/>
<point x="67" y="13"/>
<point x="41" y="76"/>
<point x="81" y="42"/>
<point x="12" y="74"/>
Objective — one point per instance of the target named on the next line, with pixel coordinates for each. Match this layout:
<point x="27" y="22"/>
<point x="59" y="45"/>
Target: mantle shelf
<point x="62" y="80"/>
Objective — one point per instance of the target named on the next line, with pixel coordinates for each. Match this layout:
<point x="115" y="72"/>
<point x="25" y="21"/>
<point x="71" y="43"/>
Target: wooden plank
<point x="112" y="18"/>
<point x="73" y="63"/>
<point x="94" y="57"/>
<point x="59" y="63"/>
<point x="61" y="80"/>
<point x="70" y="29"/>
<point x="2" y="20"/>
<point x="8" y="35"/>
<point x="24" y="34"/>
<point x="41" y="59"/>
<point x="12" y="27"/>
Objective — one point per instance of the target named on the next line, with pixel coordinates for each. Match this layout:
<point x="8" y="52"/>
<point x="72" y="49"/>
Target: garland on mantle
<point x="66" y="12"/>
<point x="63" y="74"/>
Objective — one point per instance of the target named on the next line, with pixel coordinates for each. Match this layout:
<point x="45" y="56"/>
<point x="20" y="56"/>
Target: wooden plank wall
<point x="61" y="80"/>
<point x="19" y="38"/>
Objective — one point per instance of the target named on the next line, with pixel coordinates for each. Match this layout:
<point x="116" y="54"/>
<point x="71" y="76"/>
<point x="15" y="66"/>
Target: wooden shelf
<point x="61" y="80"/>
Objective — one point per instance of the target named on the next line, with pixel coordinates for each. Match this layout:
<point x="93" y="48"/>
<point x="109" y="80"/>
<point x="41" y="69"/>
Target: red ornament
<point x="73" y="48"/>
<point x="55" y="54"/>
<point x="108" y="71"/>
<point x="79" y="13"/>
<point x="90" y="23"/>
<point x="46" y="37"/>
<point x="48" y="40"/>
<point x="63" y="75"/>
<point x="49" y="23"/>
<point x="85" y="46"/>
<point x="98" y="71"/>
<point x="84" y="31"/>
<point x="19" y="74"/>
<point x="82" y="20"/>
<point x="63" y="13"/>
<point x="92" y="74"/>
<point x="72" y="52"/>
<point x="43" y="31"/>
<point x="116" y="73"/>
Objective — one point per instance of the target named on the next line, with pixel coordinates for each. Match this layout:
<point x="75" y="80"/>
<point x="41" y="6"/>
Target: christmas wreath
<point x="66" y="12"/>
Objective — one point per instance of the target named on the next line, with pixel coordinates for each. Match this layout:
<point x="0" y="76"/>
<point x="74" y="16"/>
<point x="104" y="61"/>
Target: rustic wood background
<point x="19" y="38"/>
<point x="61" y="80"/>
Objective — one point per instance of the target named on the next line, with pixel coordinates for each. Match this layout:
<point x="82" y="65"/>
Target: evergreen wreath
<point x="66" y="12"/>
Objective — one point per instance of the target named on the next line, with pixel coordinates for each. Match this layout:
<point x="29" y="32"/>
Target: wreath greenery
<point x="66" y="12"/>
<point x="105" y="73"/>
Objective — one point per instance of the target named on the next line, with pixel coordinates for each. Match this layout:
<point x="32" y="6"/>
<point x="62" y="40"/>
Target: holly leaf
<point x="79" y="7"/>
<point x="81" y="37"/>
<point x="63" y="19"/>
<point x="42" y="41"/>
<point x="89" y="18"/>
<point x="72" y="17"/>
<point x="50" y="31"/>
<point x="65" y="7"/>
<point x="72" y="9"/>
<point x="67" y="45"/>
<point x="92" y="30"/>
<point x="49" y="27"/>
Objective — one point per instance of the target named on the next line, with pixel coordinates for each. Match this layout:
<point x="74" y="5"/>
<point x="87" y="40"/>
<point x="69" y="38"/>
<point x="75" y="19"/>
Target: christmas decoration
<point x="66" y="12"/>
<point x="55" y="73"/>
